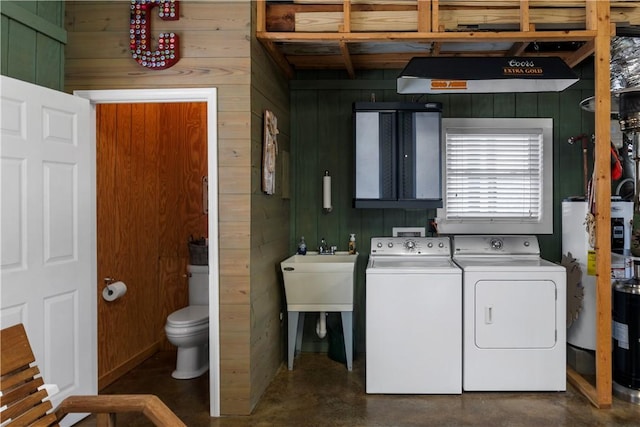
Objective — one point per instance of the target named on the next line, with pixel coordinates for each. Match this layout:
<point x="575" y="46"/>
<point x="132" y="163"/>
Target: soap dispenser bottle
<point x="352" y="244"/>
<point x="302" y="246"/>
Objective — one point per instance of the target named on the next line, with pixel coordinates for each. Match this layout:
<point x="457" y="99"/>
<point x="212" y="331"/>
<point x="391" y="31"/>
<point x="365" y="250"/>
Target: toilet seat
<point x="190" y="316"/>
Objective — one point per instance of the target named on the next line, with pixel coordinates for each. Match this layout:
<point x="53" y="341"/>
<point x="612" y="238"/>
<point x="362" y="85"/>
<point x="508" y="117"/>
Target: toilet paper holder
<point x="113" y="290"/>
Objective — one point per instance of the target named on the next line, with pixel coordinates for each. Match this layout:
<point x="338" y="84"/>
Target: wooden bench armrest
<point x="150" y="405"/>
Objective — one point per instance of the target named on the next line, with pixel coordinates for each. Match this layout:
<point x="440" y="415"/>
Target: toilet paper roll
<point x="114" y="291"/>
<point x="326" y="192"/>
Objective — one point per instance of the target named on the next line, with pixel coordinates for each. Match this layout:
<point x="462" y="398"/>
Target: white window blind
<point x="494" y="174"/>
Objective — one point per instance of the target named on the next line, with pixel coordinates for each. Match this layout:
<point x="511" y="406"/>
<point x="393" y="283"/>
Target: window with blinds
<point x="498" y="175"/>
<point x="494" y="174"/>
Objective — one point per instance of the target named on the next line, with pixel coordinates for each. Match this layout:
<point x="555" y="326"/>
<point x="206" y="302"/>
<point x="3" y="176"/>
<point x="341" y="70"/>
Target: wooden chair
<point x="25" y="402"/>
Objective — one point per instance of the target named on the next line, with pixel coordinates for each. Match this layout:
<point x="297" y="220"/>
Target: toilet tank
<point x="198" y="284"/>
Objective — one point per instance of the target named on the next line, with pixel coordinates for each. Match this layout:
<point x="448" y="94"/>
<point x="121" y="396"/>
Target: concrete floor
<point x="321" y="392"/>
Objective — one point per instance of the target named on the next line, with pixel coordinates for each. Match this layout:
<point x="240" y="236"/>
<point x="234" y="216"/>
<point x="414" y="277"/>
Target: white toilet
<point x="188" y="328"/>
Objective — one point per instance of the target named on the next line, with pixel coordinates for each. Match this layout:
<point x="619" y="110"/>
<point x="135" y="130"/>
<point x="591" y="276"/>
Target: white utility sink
<point x="314" y="282"/>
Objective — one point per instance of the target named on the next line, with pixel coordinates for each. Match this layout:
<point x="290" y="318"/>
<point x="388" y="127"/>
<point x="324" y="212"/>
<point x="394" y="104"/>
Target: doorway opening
<point x="189" y="95"/>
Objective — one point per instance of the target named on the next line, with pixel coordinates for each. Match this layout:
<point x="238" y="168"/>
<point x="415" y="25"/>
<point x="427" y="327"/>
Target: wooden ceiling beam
<point x="261" y="15"/>
<point x="347" y="60"/>
<point x="435" y="15"/>
<point x="424" y="16"/>
<point x="518" y="48"/>
<point x="346" y="17"/>
<point x="346" y="28"/>
<point x="584" y="52"/>
<point x="461" y="36"/>
<point x="524" y="15"/>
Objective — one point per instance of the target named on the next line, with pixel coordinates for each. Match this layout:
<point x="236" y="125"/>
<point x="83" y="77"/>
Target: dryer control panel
<point x="511" y="245"/>
<point x="426" y="246"/>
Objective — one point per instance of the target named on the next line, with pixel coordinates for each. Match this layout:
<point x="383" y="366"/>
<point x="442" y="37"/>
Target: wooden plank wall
<point x="269" y="222"/>
<point x="32" y="41"/>
<point x="149" y="174"/>
<point x="215" y="52"/>
<point x="321" y="139"/>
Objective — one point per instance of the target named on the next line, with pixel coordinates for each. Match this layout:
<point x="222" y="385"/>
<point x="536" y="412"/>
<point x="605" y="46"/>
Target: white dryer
<point x="514" y="310"/>
<point x="413" y="317"/>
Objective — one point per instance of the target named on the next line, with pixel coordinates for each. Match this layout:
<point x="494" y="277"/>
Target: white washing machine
<point x="413" y="317"/>
<point x="514" y="309"/>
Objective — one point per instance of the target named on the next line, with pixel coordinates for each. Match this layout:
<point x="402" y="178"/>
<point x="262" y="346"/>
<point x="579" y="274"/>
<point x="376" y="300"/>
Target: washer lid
<point x="412" y="263"/>
<point x="192" y="315"/>
<point x="395" y="264"/>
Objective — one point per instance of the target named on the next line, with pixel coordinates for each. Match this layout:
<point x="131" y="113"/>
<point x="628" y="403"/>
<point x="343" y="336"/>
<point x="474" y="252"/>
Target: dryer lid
<point x="189" y="316"/>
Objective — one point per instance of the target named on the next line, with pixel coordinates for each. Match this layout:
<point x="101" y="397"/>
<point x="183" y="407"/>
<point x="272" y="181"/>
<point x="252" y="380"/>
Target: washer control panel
<point x="410" y="246"/>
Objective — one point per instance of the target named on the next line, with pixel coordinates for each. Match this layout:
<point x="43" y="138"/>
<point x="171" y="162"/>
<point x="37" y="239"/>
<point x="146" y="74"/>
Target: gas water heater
<point x="575" y="239"/>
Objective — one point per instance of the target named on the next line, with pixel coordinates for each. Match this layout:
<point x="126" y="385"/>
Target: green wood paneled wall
<point x="32" y="41"/>
<point x="322" y="139"/>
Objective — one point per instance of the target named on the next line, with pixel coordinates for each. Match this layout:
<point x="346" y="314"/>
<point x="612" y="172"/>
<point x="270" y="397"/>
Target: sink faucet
<point x="325" y="249"/>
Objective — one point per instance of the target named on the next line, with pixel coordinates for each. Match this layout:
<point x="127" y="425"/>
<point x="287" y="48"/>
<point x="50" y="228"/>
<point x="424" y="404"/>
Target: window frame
<point x="501" y="225"/>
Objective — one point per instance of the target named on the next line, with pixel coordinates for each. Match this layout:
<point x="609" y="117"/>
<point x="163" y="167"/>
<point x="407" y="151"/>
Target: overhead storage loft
<point x="386" y="34"/>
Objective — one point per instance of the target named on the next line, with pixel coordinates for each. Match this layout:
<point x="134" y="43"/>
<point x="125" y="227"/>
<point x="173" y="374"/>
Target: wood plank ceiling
<point x="379" y="34"/>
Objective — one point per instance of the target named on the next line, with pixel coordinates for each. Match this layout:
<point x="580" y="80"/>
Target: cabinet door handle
<point x="488" y="314"/>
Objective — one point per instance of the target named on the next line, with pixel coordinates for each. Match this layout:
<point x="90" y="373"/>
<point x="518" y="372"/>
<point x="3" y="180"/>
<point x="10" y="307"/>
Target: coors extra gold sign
<point x="516" y="67"/>
<point x="485" y="75"/>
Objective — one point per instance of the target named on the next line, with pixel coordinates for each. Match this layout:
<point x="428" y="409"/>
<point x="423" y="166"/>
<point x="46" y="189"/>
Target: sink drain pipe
<point x="321" y="325"/>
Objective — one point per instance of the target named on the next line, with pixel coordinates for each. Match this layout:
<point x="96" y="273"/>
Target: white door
<point x="48" y="232"/>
